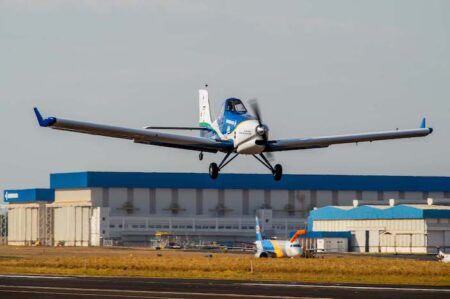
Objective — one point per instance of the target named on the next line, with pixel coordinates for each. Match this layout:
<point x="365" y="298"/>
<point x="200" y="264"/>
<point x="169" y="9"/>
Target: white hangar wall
<point x="90" y="207"/>
<point x="405" y="228"/>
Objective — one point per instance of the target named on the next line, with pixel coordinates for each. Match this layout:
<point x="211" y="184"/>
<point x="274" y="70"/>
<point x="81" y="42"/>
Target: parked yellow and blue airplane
<point x="276" y="248"/>
<point x="234" y="132"/>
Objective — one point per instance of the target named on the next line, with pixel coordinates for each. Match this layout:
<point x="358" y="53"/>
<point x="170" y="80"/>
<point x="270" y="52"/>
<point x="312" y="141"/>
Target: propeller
<point x="262" y="130"/>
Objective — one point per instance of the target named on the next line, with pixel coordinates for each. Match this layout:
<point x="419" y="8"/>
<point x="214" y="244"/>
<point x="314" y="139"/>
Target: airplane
<point x="276" y="248"/>
<point x="234" y="132"/>
<point x="443" y="257"/>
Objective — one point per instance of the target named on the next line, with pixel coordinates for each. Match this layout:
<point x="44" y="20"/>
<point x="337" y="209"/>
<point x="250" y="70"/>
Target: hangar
<point x="403" y="228"/>
<point x="95" y="208"/>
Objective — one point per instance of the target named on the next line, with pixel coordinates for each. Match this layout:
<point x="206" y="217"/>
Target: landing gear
<point x="277" y="171"/>
<point x="214" y="169"/>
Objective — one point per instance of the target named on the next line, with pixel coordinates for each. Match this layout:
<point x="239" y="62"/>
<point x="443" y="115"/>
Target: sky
<point x="317" y="68"/>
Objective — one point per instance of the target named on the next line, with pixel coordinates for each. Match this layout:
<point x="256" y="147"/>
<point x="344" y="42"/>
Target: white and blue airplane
<point x="276" y="248"/>
<point x="234" y="132"/>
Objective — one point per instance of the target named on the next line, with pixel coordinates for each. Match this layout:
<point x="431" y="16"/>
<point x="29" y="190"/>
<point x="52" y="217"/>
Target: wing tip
<point x="423" y="124"/>
<point x="43" y="122"/>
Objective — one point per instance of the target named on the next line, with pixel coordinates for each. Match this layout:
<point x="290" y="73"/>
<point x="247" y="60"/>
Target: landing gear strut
<point x="214" y="169"/>
<point x="277" y="171"/>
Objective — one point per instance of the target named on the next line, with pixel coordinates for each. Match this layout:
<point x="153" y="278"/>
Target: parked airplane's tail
<point x="258" y="230"/>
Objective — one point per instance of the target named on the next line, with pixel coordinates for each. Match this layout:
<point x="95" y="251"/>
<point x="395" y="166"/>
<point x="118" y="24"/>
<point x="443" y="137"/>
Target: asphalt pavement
<point x="29" y="286"/>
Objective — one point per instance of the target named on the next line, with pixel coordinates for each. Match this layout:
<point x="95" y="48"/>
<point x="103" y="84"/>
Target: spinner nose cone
<point x="262" y="130"/>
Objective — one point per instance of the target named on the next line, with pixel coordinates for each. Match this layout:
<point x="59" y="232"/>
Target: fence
<point x="3" y="225"/>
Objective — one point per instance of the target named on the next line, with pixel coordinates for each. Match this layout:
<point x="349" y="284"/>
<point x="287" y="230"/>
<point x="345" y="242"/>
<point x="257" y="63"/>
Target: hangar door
<point x="71" y="225"/>
<point x="435" y="239"/>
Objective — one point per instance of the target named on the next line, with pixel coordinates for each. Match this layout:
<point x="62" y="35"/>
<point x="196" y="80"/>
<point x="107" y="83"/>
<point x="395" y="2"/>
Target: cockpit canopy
<point x="235" y="105"/>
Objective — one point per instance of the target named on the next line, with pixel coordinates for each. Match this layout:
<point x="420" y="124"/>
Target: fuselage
<point x="276" y="248"/>
<point x="237" y="125"/>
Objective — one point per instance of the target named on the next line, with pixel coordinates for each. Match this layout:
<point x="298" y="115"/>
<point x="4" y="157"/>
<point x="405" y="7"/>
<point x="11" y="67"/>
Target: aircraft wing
<point x="321" y="142"/>
<point x="137" y="135"/>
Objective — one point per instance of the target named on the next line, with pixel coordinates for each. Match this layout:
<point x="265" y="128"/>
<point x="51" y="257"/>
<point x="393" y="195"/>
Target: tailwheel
<point x="277" y="172"/>
<point x="213" y="171"/>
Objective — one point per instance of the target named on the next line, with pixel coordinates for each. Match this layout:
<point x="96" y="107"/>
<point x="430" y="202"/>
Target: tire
<point x="278" y="173"/>
<point x="213" y="171"/>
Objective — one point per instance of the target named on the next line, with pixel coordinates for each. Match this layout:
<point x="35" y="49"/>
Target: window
<point x="112" y="226"/>
<point x="235" y="105"/>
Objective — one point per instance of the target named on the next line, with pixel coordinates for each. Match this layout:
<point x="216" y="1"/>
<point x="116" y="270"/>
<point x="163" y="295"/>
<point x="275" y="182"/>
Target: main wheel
<point x="213" y="171"/>
<point x="278" y="172"/>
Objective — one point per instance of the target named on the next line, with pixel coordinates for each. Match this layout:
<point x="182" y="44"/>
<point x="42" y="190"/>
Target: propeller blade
<point x="255" y="107"/>
<point x="270" y="156"/>
<point x="257" y="112"/>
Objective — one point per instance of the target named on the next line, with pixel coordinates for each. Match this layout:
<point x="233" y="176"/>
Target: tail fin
<point x="297" y="234"/>
<point x="205" y="119"/>
<point x="258" y="230"/>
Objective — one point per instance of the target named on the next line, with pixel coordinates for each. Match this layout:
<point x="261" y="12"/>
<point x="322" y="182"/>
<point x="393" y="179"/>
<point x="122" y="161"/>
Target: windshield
<point x="235" y="105"/>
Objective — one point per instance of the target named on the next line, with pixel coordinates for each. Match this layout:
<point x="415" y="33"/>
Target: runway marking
<point x="34" y="276"/>
<point x="5" y="288"/>
<point x="83" y="294"/>
<point x="347" y="287"/>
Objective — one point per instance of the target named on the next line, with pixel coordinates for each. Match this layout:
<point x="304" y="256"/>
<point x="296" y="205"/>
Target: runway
<point x="29" y="286"/>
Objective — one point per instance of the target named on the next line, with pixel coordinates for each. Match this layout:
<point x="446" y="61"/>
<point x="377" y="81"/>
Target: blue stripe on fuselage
<point x="267" y="245"/>
<point x="229" y="120"/>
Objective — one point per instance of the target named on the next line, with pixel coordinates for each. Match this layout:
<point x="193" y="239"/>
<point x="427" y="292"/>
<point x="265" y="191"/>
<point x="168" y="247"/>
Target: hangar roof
<point x="248" y="181"/>
<point x="28" y="195"/>
<point x="380" y="212"/>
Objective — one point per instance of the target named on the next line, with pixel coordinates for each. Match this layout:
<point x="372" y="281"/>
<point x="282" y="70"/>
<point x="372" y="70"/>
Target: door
<point x="366" y="243"/>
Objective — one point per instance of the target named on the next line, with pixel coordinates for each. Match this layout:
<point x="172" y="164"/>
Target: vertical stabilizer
<point x="258" y="230"/>
<point x="205" y="119"/>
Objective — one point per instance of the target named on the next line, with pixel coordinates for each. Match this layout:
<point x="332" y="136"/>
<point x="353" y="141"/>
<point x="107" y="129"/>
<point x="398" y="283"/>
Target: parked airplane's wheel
<point x="278" y="173"/>
<point x="213" y="171"/>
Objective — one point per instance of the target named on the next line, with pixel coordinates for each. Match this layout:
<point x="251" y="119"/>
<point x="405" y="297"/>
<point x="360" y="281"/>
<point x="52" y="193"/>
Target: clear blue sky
<point x="317" y="67"/>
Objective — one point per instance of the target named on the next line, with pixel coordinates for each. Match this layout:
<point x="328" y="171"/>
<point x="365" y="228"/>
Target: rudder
<point x="204" y="109"/>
